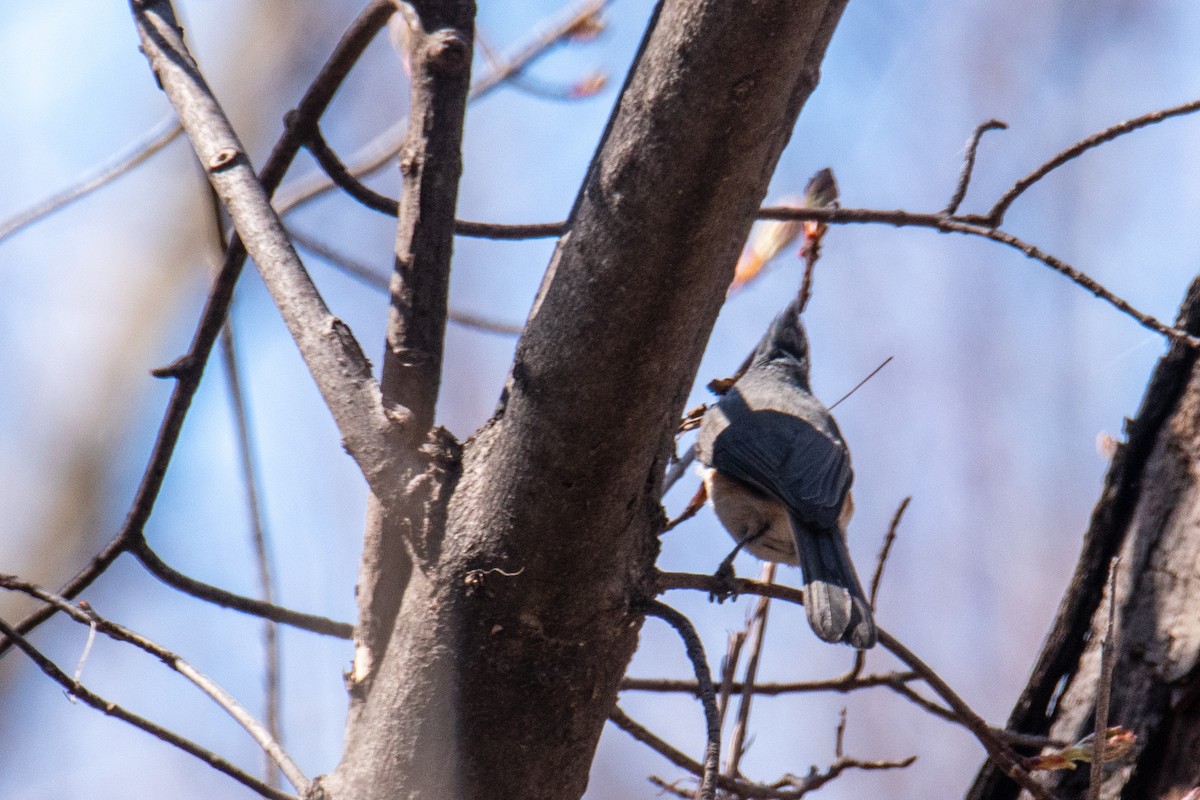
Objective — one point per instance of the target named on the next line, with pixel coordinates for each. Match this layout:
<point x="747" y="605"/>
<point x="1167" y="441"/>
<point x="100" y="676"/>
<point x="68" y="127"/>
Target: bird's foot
<point x="726" y="580"/>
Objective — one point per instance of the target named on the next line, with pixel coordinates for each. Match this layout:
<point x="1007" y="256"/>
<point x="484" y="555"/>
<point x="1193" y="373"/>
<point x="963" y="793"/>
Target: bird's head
<point x="785" y="341"/>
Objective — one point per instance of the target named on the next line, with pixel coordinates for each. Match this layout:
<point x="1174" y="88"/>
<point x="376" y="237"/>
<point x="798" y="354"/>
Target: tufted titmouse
<point x="778" y="474"/>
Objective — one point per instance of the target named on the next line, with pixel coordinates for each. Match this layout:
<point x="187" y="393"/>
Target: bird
<point x="777" y="472"/>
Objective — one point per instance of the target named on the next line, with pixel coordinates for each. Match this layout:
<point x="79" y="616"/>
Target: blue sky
<point x="1004" y="372"/>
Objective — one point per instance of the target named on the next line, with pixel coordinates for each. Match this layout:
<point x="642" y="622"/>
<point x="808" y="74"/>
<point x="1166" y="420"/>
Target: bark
<point x="1147" y="514"/>
<point x="521" y="614"/>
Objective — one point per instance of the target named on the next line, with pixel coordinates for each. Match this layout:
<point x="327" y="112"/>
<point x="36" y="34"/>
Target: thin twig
<point x="729" y="665"/>
<point x="370" y="277"/>
<point x="707" y="694"/>
<point x="667" y="581"/>
<point x="886" y="549"/>
<point x="76" y="689"/>
<point x="964" y="177"/>
<point x="1108" y="652"/>
<point x="152" y="142"/>
<point x="258" y="539"/>
<point x="996" y="215"/>
<point x="247" y="605"/>
<point x="86" y="615"/>
<point x="841" y="684"/>
<point x="860" y="656"/>
<point x="678" y="469"/>
<point x="258" y="536"/>
<point x="924" y="703"/>
<point x="969" y="226"/>
<point x="997" y="749"/>
<point x="757" y="637"/>
<point x="372" y="157"/>
<point x="573" y="19"/>
<point x="380" y="151"/>
<point x="789" y="788"/>
<point x="494" y="230"/>
<point x="581" y="89"/>
<point x="864" y="216"/>
<point x="338" y="173"/>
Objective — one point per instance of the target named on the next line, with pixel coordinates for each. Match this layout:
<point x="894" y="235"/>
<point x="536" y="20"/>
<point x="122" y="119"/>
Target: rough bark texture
<point x="515" y="627"/>
<point x="439" y="35"/>
<point x="1148" y="515"/>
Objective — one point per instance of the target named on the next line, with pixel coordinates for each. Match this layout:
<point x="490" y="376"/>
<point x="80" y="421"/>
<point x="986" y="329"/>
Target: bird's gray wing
<point x="784" y="455"/>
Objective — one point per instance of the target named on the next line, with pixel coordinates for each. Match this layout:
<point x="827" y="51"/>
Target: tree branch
<point x="387" y="145"/>
<point x="247" y="605"/>
<point x="440" y="44"/>
<point x="964" y="177"/>
<point x="842" y="684"/>
<point x="341" y="371"/>
<point x="189" y="369"/>
<point x="152" y="142"/>
<point x="78" y="690"/>
<point x="790" y="788"/>
<point x="707" y="693"/>
<point x="997" y="749"/>
<point x="863" y="216"/>
<point x="996" y="216"/>
<point x="265" y="738"/>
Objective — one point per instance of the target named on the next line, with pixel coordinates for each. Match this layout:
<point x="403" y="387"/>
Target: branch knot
<point x="447" y="52"/>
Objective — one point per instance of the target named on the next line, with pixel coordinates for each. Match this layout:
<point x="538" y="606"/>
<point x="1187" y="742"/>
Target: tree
<point x="505" y="579"/>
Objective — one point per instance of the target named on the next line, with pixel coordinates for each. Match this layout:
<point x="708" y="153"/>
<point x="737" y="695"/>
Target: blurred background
<point x="1004" y="373"/>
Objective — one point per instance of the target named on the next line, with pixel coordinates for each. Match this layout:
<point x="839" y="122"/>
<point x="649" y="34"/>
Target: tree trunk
<point x="1148" y="515"/>
<point x="523" y="610"/>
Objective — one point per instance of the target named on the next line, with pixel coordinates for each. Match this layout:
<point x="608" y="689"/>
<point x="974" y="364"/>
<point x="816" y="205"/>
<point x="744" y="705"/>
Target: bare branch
<point x="369" y="277"/>
<point x="971" y="226"/>
<point x="258" y="536"/>
<point x="76" y="689"/>
<point x="155" y="140"/>
<point x="341" y="371"/>
<point x="440" y="37"/>
<point x="86" y="615"/>
<point x="996" y="215"/>
<point x="729" y="662"/>
<point x="247" y="605"/>
<point x="258" y="539"/>
<point x="380" y="151"/>
<point x="189" y="369"/>
<point x="843" y="684"/>
<point x="667" y="581"/>
<point x="341" y="176"/>
<point x="372" y="157"/>
<point x="964" y="177"/>
<point x="491" y="230"/>
<point x="790" y="788"/>
<point x="678" y="469"/>
<point x="886" y="549"/>
<point x="998" y="750"/>
<point x="707" y="693"/>
<point x="861" y="216"/>
<point x="756" y="637"/>
<point x="572" y="20"/>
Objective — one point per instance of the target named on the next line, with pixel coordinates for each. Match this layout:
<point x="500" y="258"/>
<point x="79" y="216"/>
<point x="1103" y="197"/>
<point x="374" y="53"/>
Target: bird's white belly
<point x="747" y="512"/>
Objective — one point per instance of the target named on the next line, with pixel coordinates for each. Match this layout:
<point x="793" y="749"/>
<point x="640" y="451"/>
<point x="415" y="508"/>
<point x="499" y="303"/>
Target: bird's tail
<point x="837" y="607"/>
